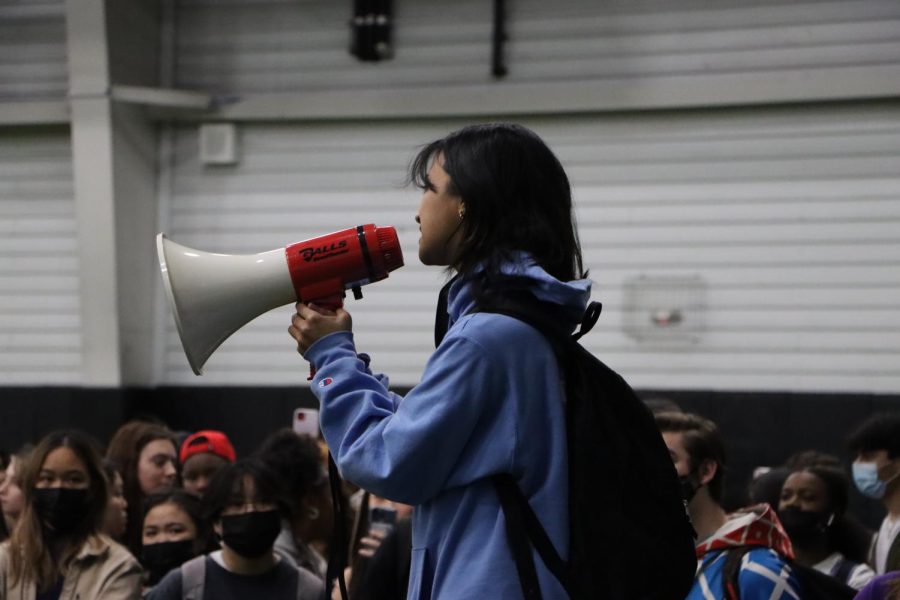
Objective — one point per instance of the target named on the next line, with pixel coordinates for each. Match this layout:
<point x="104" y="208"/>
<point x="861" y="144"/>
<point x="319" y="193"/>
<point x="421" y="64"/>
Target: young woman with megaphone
<point x="496" y="204"/>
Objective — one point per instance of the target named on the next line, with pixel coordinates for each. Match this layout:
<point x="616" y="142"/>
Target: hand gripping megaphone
<point x="214" y="295"/>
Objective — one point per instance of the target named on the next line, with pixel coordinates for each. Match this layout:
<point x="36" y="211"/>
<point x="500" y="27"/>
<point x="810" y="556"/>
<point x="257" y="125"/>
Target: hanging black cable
<point x="498" y="61"/>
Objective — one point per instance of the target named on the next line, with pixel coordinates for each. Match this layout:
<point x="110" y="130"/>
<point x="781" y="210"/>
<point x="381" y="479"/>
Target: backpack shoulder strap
<point x="591" y="315"/>
<point x="308" y="585"/>
<point x="893" y="557"/>
<point x="842" y="570"/>
<point x="524" y="529"/>
<point x="193" y="574"/>
<point x="731" y="572"/>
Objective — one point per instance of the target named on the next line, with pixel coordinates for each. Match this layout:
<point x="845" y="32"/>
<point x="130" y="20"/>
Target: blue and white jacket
<point x="764" y="574"/>
<point x="489" y="401"/>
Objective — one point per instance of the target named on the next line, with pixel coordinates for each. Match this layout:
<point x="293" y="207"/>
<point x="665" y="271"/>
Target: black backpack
<point x="630" y="535"/>
<point x="813" y="584"/>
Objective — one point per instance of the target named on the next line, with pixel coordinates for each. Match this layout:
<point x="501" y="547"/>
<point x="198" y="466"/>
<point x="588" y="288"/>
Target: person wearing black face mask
<point x="57" y="550"/>
<point x="174" y="531"/>
<point x="246" y="508"/>
<point x="751" y="540"/>
<point x="811" y="508"/>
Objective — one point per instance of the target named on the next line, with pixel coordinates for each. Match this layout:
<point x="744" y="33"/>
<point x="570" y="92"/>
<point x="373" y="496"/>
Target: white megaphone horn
<point x="214" y="295"/>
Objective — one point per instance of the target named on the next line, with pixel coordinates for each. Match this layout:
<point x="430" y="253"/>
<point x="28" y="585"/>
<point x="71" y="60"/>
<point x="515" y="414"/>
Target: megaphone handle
<point x="331" y="303"/>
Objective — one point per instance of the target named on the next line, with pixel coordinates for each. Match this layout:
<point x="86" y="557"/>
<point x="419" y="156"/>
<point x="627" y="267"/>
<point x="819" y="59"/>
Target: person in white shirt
<point x="876" y="473"/>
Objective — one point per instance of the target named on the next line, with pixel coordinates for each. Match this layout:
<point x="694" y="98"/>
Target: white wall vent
<point x="667" y="309"/>
<point x="218" y="144"/>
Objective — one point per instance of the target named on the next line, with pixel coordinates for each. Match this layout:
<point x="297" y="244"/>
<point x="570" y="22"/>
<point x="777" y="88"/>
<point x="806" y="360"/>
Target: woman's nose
<point x="417" y="220"/>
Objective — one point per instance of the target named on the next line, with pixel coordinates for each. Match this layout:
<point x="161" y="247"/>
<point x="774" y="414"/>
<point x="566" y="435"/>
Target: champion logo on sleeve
<point x="325" y="382"/>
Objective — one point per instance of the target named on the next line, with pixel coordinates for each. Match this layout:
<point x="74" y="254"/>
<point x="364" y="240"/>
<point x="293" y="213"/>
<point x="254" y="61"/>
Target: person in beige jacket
<point x="56" y="551"/>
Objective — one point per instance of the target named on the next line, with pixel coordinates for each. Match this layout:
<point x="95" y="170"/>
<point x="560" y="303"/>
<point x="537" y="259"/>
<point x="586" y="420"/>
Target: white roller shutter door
<point x="789" y="216"/>
<point x="40" y="317"/>
<point x="32" y="49"/>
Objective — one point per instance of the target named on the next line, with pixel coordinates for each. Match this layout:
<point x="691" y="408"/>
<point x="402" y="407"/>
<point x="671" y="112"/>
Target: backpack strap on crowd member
<point x="842" y="570"/>
<point x="731" y="571"/>
<point x="193" y="577"/>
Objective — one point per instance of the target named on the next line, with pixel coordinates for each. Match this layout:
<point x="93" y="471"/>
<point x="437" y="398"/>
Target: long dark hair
<point x="517" y="198"/>
<point x="30" y="557"/>
<point x="125" y="450"/>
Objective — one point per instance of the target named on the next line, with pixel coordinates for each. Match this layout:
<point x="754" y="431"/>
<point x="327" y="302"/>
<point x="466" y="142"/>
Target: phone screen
<point x="306" y="422"/>
<point x="382" y="517"/>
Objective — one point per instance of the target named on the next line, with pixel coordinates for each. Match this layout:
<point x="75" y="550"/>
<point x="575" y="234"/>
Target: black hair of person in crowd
<point x="812" y="508"/>
<point x="297" y="462"/>
<point x="765" y="485"/>
<point x="875" y="446"/>
<point x="116" y="521"/>
<point x="58" y="541"/>
<point x="147" y="455"/>
<point x="852" y="538"/>
<point x="659" y="404"/>
<point x="245" y="505"/>
<point x="174" y="531"/>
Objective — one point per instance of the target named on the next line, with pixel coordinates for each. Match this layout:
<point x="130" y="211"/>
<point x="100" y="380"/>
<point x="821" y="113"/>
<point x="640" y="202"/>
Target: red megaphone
<point x="214" y="295"/>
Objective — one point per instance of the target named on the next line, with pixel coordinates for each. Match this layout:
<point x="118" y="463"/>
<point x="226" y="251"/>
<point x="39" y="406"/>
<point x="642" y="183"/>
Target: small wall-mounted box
<point x="218" y="144"/>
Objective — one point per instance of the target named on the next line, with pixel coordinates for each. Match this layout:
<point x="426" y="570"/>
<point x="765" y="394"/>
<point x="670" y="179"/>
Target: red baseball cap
<point x="207" y="441"/>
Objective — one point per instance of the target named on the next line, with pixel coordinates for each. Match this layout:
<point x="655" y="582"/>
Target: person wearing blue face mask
<point x="876" y="473"/>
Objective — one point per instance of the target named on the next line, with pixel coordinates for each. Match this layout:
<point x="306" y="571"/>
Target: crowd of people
<point x="795" y="539"/>
<point x="164" y="515"/>
<point x="168" y="515"/>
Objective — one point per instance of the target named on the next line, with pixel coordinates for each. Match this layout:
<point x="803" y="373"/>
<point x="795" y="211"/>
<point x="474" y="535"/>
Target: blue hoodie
<point x="490" y="401"/>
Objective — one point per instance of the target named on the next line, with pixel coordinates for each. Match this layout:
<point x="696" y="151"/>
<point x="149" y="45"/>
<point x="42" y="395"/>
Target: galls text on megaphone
<point x="214" y="295"/>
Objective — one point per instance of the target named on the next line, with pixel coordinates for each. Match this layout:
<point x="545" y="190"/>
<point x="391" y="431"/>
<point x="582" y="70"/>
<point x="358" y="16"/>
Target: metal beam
<point x="39" y="112"/>
<point x="92" y="166"/>
<point x="534" y="98"/>
<point x="163" y="98"/>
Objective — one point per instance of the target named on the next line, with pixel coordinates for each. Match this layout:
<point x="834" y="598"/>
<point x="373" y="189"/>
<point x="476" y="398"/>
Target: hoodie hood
<point x="754" y="526"/>
<point x="573" y="296"/>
